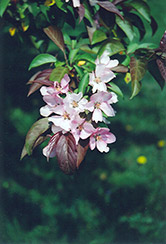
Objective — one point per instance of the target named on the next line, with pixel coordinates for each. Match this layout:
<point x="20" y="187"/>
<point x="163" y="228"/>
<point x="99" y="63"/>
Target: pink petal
<point x="97" y="115"/>
<point x="45" y="111"/>
<point x="92" y="143"/>
<point x="107" y="109"/>
<point x="102" y="146"/>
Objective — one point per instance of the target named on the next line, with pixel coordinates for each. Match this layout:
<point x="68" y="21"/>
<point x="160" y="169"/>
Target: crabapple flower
<point x="63" y="118"/>
<point x="100" y="102"/>
<point x="58" y="88"/>
<point x="100" y="77"/>
<point x="114" y="98"/>
<point x="52" y="103"/>
<point x="76" y="3"/>
<point x="76" y="101"/>
<point x="81" y="129"/>
<point x="105" y="59"/>
<point x="100" y="138"/>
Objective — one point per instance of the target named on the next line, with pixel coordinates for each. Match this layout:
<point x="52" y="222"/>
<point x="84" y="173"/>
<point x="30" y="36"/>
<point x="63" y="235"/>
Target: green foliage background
<point x="111" y="199"/>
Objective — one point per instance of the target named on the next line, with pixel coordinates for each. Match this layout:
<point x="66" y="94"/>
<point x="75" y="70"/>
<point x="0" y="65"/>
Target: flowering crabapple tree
<point x="95" y="42"/>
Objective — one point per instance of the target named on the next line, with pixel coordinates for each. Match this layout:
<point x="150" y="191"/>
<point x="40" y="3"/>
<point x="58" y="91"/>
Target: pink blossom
<point x="76" y="101"/>
<point x="58" y="88"/>
<point x="100" y="138"/>
<point x="63" y="118"/>
<point x="100" y="77"/>
<point x="105" y="59"/>
<point x="52" y="103"/>
<point x="100" y="102"/>
<point x="81" y="129"/>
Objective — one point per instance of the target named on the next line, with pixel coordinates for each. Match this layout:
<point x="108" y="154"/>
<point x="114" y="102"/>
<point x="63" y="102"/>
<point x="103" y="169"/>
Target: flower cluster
<point x="80" y="115"/>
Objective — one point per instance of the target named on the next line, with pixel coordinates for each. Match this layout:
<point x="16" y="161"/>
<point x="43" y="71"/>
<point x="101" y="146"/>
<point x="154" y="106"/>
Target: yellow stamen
<point x="97" y="80"/>
<point x="66" y="116"/>
<point x="74" y="104"/>
<point x="97" y="105"/>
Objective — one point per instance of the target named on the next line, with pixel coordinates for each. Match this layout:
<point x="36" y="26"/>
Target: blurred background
<point x="119" y="197"/>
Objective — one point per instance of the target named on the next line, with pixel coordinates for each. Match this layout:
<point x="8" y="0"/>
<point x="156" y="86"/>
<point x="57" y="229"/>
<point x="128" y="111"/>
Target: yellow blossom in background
<point x="128" y="127"/>
<point x="127" y="78"/>
<point x="12" y="31"/>
<point x="141" y="160"/>
<point x="81" y="62"/>
<point x="103" y="176"/>
<point x="49" y="3"/>
<point x="161" y="143"/>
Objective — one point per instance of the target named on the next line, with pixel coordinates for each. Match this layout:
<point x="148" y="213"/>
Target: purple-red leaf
<point x="110" y="7"/>
<point x="55" y="34"/>
<point x="51" y="147"/>
<point x="34" y="134"/>
<point x="81" y="12"/>
<point x="66" y="153"/>
<point x="162" y="68"/>
<point x="39" y="79"/>
<point x="82" y="148"/>
<point x="163" y="43"/>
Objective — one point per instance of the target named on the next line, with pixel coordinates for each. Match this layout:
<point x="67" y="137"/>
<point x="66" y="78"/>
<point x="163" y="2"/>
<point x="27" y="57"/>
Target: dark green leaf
<point x="98" y="36"/>
<point x="137" y="21"/>
<point x="113" y="87"/>
<point x="137" y="71"/>
<point x="3" y="6"/>
<point x="126" y="27"/>
<point x="33" y="135"/>
<point x="112" y="46"/>
<point x="58" y="73"/>
<point x="79" y="70"/>
<point x="42" y="59"/>
<point x="154" y="71"/>
<point x="154" y="25"/>
<point x="142" y="8"/>
<point x="83" y="83"/>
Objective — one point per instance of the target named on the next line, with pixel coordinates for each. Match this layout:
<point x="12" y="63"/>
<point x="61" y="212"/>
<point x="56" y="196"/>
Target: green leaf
<point x="79" y="70"/>
<point x="112" y="46"/>
<point x="126" y="27"/>
<point x="42" y="59"/>
<point x="61" y="5"/>
<point x="58" y="73"/>
<point x="55" y="34"/>
<point x="3" y="6"/>
<point x="113" y="87"/>
<point x="87" y="57"/>
<point x="137" y="71"/>
<point x="33" y="135"/>
<point x="142" y="8"/>
<point x="72" y="55"/>
<point x="83" y="83"/>
<point x="98" y="36"/>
